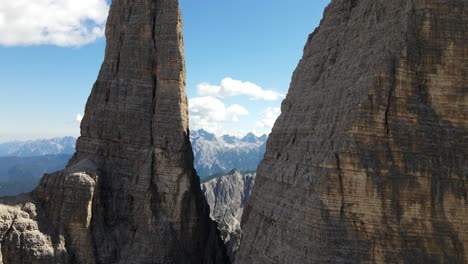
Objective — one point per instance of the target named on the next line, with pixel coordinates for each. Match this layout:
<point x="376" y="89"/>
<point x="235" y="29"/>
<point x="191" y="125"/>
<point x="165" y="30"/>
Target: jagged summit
<point x="250" y="138"/>
<point x="230" y="139"/>
<point x="215" y="155"/>
<point x="204" y="134"/>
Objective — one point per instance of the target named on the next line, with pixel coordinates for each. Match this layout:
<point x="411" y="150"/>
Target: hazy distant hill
<point x="21" y="174"/>
<point x="214" y="155"/>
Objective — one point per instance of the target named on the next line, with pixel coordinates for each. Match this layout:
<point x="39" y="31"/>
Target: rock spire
<point x="130" y="193"/>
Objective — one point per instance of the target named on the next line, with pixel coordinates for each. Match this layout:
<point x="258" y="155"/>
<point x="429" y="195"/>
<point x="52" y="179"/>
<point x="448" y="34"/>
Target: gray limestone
<point x="227" y="196"/>
<point x="367" y="162"/>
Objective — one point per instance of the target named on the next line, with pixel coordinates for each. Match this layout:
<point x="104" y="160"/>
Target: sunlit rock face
<point x="130" y="193"/>
<point x="367" y="163"/>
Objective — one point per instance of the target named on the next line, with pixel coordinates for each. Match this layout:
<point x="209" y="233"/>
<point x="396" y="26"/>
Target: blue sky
<point x="45" y="81"/>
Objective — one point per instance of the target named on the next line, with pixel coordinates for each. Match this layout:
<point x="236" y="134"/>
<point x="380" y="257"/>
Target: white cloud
<point x="210" y="113"/>
<point x="56" y="22"/>
<point x="78" y="118"/>
<point x="269" y="117"/>
<point x="230" y="87"/>
<point x="234" y="111"/>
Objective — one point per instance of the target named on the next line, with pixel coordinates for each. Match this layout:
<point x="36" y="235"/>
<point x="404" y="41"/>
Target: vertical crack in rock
<point x="117" y="66"/>
<point x="340" y="178"/>
<point x="389" y="98"/>
<point x="155" y="68"/>
<point x="9" y="230"/>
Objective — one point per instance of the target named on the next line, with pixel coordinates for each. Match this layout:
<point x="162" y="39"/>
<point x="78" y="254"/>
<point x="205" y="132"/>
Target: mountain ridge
<point x="248" y="148"/>
<point x="38" y="147"/>
<point x="220" y="154"/>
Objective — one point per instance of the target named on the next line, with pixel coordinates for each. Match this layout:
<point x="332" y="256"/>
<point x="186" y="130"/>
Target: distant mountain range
<point x="41" y="147"/>
<point x="218" y="155"/>
<point x="22" y="163"/>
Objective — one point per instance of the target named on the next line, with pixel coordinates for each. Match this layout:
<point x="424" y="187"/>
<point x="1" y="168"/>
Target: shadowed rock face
<point x="130" y="193"/>
<point x="367" y="163"/>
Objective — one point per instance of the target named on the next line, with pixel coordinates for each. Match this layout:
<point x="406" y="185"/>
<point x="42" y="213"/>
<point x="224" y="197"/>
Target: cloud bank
<point x="230" y="87"/>
<point x="65" y="23"/>
<point x="79" y="118"/>
<point x="209" y="113"/>
<point x="269" y="117"/>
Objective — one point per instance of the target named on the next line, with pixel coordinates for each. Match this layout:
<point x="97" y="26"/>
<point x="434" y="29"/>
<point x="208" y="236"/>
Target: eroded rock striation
<point x="130" y="193"/>
<point x="367" y="163"/>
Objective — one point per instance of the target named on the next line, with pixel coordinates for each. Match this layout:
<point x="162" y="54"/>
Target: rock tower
<point x="130" y="193"/>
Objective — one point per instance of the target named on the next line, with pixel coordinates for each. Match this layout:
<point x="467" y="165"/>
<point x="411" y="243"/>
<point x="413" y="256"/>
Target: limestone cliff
<point x="130" y="193"/>
<point x="367" y="163"/>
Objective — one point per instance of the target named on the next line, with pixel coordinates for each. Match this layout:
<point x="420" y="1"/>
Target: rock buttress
<point x="367" y="163"/>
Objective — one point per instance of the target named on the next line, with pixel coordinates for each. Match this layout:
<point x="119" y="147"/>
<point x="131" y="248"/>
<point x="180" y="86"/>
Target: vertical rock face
<point x="135" y="129"/>
<point x="367" y="163"/>
<point x="130" y="193"/>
